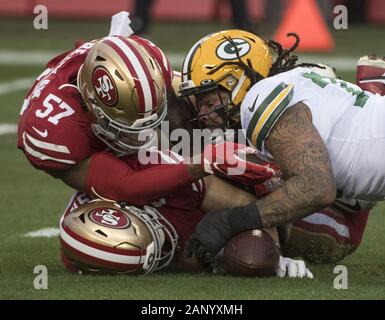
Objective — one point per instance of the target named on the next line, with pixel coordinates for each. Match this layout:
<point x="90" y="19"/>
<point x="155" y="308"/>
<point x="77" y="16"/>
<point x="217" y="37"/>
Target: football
<point x="252" y="253"/>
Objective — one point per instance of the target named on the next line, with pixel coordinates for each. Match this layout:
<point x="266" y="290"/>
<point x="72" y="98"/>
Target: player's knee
<point x="327" y="236"/>
<point x="317" y="248"/>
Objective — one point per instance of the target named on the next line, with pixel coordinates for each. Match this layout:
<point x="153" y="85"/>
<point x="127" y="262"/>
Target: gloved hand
<point x="210" y="236"/>
<point x="229" y="159"/>
<point x="293" y="269"/>
<point x="217" y="228"/>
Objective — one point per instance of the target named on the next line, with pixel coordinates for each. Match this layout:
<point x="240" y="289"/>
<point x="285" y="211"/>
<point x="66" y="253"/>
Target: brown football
<point x="252" y="253"/>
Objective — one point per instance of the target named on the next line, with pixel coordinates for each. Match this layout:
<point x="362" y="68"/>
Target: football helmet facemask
<point x="106" y="237"/>
<point x="124" y="90"/>
<point x="232" y="60"/>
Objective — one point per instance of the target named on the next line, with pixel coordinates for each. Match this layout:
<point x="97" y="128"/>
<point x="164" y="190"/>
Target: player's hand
<point x="218" y="227"/>
<point x="210" y="236"/>
<point x="293" y="269"/>
<point x="229" y="159"/>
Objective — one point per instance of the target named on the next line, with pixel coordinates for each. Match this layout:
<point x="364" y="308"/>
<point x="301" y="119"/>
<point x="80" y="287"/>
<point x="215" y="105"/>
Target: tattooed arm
<point x="301" y="154"/>
<point x="309" y="186"/>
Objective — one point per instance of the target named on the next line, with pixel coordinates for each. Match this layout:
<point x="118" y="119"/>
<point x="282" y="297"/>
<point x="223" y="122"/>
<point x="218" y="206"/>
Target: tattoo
<point x="302" y="156"/>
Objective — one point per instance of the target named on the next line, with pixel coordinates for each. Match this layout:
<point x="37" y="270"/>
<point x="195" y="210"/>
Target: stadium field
<point x="32" y="201"/>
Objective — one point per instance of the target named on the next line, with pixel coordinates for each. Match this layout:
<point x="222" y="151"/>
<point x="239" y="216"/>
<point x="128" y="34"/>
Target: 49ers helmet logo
<point x="111" y="218"/>
<point x="104" y="86"/>
<point x="226" y="50"/>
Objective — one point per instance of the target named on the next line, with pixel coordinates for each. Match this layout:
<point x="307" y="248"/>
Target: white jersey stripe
<point x="107" y="256"/>
<point x="46" y="145"/>
<point x="42" y="156"/>
<point x="139" y="71"/>
<point x="322" y="219"/>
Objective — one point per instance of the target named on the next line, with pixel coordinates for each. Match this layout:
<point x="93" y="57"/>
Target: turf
<point x="31" y="200"/>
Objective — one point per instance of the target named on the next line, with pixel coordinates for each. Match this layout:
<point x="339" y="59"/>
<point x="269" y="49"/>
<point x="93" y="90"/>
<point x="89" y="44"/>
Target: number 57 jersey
<point x="54" y="128"/>
<point x="350" y="121"/>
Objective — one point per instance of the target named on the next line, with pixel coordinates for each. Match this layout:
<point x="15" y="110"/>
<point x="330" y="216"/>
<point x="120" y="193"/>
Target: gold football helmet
<point x="124" y="90"/>
<point x="232" y="60"/>
<point x="106" y="237"/>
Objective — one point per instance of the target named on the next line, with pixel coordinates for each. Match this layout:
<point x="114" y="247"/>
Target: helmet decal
<point x="226" y="50"/>
<point x="104" y="86"/>
<point x="111" y="218"/>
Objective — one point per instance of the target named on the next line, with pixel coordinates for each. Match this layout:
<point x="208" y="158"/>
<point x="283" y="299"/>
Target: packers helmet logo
<point x="104" y="86"/>
<point x="110" y="218"/>
<point x="227" y="51"/>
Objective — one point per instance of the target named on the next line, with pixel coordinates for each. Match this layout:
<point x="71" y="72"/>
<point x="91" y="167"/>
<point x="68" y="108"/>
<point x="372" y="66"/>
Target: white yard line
<point x="43" y="233"/>
<point x="7" y="128"/>
<point x="27" y="58"/>
<point x="40" y="58"/>
<point x="15" y="85"/>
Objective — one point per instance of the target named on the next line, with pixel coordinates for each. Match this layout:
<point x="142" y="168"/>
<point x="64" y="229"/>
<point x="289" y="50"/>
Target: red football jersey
<point x="55" y="129"/>
<point x="181" y="209"/>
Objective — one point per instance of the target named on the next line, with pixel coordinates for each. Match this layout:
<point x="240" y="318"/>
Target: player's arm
<point x="302" y="156"/>
<point x="217" y="198"/>
<point x="113" y="178"/>
<point x="217" y="227"/>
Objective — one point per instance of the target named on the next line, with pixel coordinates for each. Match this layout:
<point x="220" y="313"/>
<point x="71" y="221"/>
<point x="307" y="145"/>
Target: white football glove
<point x="293" y="269"/>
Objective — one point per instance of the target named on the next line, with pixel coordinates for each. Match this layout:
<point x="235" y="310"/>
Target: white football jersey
<point x="350" y="121"/>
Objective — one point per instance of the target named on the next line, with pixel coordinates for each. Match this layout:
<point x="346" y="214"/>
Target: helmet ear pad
<point x="105" y="237"/>
<point x="122" y="84"/>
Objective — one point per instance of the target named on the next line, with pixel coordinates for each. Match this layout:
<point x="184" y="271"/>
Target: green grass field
<point x="31" y="200"/>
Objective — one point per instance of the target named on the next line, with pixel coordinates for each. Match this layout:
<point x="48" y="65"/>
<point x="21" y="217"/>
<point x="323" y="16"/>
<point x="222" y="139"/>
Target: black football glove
<point x="217" y="228"/>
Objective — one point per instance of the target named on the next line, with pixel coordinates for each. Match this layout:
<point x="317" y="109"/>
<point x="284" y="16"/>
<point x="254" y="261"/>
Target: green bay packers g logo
<point x="227" y="51"/>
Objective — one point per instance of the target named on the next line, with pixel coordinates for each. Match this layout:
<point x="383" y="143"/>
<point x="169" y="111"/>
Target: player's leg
<point x="326" y="236"/>
<point x="370" y="75"/>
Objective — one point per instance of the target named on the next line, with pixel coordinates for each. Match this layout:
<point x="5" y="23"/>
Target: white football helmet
<point x="107" y="237"/>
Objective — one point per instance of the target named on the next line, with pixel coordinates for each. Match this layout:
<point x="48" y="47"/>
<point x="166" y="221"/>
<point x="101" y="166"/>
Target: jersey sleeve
<point x="58" y="140"/>
<point x="263" y="105"/>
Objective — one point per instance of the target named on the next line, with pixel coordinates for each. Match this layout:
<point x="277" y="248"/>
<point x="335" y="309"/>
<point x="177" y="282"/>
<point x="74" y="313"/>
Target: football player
<point x="90" y="107"/>
<point x="320" y="131"/>
<point x="96" y="103"/>
<point x="85" y="117"/>
<point x="170" y="220"/>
